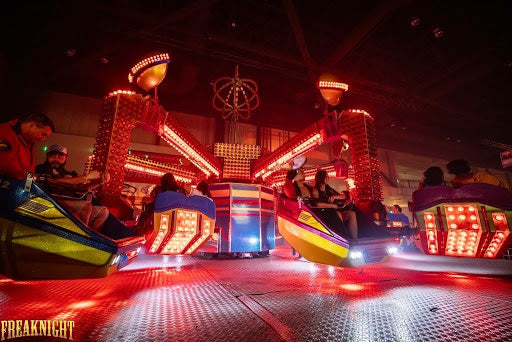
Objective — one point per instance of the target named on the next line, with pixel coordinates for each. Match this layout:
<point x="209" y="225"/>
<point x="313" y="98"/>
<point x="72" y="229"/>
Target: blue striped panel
<point x="245" y="233"/>
<point x="223" y="222"/>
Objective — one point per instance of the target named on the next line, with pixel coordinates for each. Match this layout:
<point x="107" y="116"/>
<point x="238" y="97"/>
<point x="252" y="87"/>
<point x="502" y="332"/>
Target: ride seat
<point x="181" y="224"/>
<point x="477" y="192"/>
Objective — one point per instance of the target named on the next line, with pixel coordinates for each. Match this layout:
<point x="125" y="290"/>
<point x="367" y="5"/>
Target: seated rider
<point x="463" y="175"/>
<point x="327" y="196"/>
<point x="17" y="139"/>
<point x="433" y="176"/>
<point x="167" y="183"/>
<point x="201" y="189"/>
<point x="398" y="216"/>
<point x="294" y="186"/>
<point x="53" y="169"/>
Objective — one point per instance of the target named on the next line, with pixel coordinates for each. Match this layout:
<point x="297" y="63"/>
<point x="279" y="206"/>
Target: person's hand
<point x="93" y="175"/>
<point x="334" y="206"/>
<point x="331" y="199"/>
<point x="105" y="177"/>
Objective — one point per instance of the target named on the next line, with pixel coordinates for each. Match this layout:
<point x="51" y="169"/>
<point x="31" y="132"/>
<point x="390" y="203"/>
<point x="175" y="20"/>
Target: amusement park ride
<point x="243" y="180"/>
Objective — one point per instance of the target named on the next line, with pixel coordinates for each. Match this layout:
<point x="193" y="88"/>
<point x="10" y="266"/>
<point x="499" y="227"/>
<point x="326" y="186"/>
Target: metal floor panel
<point x="184" y="298"/>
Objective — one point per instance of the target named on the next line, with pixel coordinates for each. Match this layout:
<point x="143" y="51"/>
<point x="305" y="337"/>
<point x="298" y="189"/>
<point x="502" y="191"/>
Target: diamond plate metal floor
<point x="164" y="298"/>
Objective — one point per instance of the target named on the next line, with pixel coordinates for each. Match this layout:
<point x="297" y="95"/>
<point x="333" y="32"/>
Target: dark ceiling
<point x="455" y="88"/>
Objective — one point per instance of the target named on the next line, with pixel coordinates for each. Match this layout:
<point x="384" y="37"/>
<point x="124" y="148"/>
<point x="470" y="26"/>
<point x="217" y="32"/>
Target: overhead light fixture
<point x="104" y="60"/>
<point x="438" y="32"/>
<point x="150" y="72"/>
<point x="331" y="88"/>
<point x="70" y="52"/>
<point x="415" y="21"/>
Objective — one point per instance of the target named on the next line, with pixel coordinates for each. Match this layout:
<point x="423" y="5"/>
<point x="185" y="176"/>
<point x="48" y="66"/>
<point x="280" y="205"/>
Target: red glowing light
<point x="431" y="230"/>
<point x="332" y="85"/>
<point x="460" y="227"/>
<point x="82" y="305"/>
<point x="501" y="235"/>
<point x="351" y="287"/>
<point x="151" y="171"/>
<point x="150" y="61"/>
<point x="121" y="92"/>
<point x="162" y="233"/>
<point x="132" y="254"/>
<point x="185" y="147"/>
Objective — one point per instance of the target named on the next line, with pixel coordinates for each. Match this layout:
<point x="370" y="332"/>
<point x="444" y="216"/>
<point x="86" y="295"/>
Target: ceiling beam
<point x="299" y="38"/>
<point x="362" y="30"/>
<point x="148" y="28"/>
<point x="462" y="65"/>
<point x="460" y="82"/>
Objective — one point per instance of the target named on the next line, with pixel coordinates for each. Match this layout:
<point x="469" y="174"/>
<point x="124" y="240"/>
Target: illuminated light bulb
<point x="430" y="225"/>
<point x="462" y="217"/>
<point x="450" y="209"/>
<point x="474" y="226"/>
<point x="451" y="217"/>
<point x="472" y="217"/>
<point x="492" y="249"/>
<point x="429" y="217"/>
<point x="500" y="234"/>
<point x="489" y="254"/>
<point x="460" y="209"/>
<point x="453" y="226"/>
<point x="499" y="218"/>
<point x="471" y="209"/>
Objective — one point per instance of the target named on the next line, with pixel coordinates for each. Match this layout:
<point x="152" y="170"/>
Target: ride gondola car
<point x="181" y="224"/>
<point x="40" y="239"/>
<point x="473" y="221"/>
<point x="314" y="233"/>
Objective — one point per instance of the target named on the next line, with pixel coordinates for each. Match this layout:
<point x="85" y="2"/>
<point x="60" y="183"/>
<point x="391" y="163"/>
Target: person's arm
<point x="80" y="179"/>
<point x="326" y="205"/>
<point x="314" y="193"/>
<point x="289" y="190"/>
<point x="319" y="204"/>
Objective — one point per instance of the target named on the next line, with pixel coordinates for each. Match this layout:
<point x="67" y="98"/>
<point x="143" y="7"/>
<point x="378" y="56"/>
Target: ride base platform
<point x="413" y="297"/>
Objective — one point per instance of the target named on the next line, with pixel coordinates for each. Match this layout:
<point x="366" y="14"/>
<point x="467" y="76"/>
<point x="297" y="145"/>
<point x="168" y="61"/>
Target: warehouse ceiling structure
<point x="435" y="75"/>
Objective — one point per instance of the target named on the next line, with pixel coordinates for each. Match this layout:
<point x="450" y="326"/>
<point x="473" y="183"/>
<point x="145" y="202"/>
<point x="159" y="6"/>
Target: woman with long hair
<point x="326" y="197"/>
<point x="167" y="183"/>
<point x="202" y="189"/>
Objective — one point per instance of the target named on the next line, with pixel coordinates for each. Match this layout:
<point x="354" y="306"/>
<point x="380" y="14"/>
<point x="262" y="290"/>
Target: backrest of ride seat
<point x="38" y="205"/>
<point x="169" y="200"/>
<point x="181" y="224"/>
<point x="477" y="192"/>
